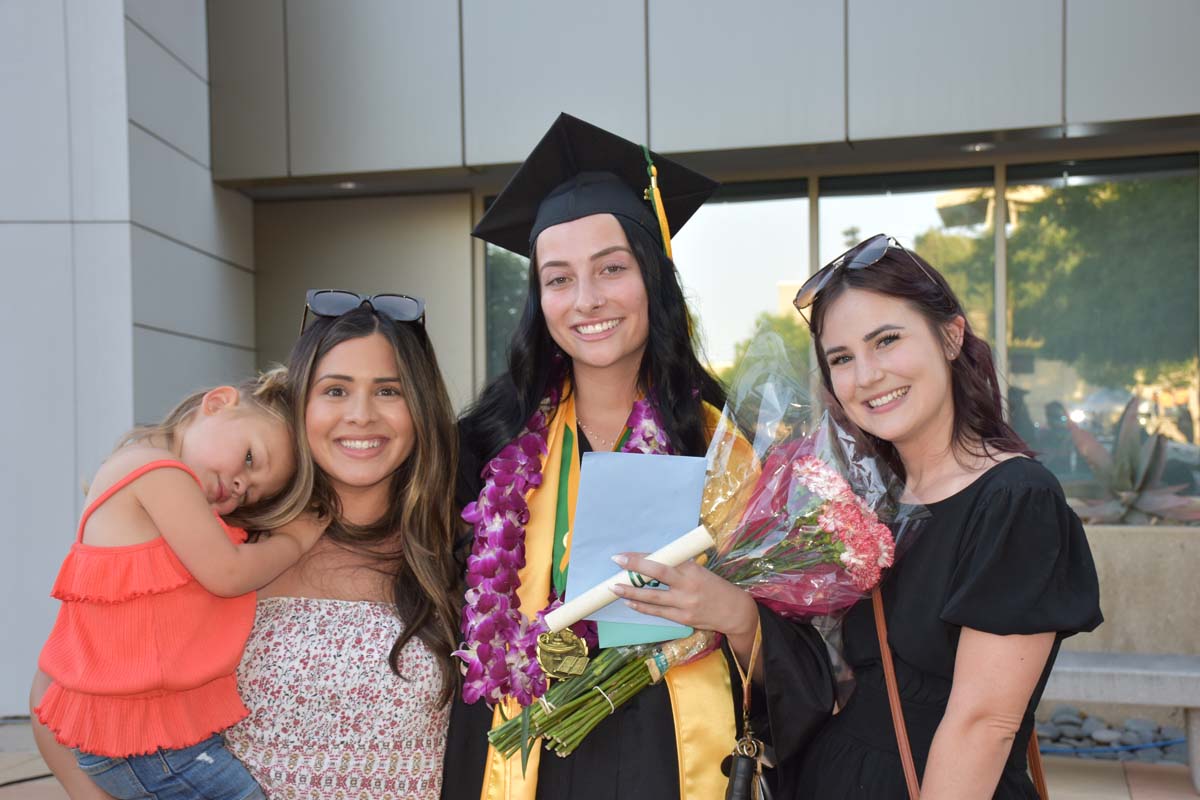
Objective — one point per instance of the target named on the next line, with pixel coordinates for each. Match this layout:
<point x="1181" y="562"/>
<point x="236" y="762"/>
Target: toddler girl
<point x="158" y="592"/>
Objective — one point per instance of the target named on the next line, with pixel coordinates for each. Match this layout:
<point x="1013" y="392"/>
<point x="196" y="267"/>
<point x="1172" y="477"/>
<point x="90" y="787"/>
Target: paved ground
<point x="1069" y="778"/>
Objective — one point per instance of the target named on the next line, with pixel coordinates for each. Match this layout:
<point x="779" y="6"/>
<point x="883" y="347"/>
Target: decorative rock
<point x="1070" y="731"/>
<point x="1176" y="753"/>
<point x="1067" y="717"/>
<point x="1067" y="741"/>
<point x="1141" y="725"/>
<point x="1046" y="730"/>
<point x="1106" y="756"/>
<point x="1169" y="732"/>
<point x="1126" y="755"/>
<point x="1150" y="755"/>
<point x="1132" y="737"/>
<point x="1093" y="724"/>
<point x="1106" y="736"/>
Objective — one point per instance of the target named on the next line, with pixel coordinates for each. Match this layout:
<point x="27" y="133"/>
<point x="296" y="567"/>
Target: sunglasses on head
<point x="335" y="302"/>
<point x="864" y="254"/>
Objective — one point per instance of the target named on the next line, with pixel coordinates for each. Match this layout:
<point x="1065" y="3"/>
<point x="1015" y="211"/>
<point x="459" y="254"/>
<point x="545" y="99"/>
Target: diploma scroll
<point x="685" y="548"/>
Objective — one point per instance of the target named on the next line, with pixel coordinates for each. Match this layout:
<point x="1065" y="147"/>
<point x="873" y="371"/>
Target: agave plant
<point x="1131" y="477"/>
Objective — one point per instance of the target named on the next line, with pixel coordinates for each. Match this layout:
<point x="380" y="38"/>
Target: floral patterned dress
<point x="329" y="720"/>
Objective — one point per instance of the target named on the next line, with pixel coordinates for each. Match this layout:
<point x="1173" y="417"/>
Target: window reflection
<point x="741" y="263"/>
<point x="1102" y="308"/>
<point x="947" y="217"/>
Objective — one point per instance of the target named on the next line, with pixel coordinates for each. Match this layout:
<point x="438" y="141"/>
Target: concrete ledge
<point x="1138" y="678"/>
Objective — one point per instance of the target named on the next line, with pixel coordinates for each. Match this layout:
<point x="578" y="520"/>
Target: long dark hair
<point x="979" y="428"/>
<point x="414" y="539"/>
<point x="670" y="372"/>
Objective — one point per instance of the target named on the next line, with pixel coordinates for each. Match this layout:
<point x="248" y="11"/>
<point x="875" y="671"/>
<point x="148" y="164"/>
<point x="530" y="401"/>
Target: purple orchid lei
<point x="499" y="654"/>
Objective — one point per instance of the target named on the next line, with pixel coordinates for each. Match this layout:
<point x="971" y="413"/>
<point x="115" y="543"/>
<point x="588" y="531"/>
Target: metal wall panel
<point x="176" y="197"/>
<point x="945" y="66"/>
<point x="165" y="97"/>
<point x="35" y="181"/>
<point x="1131" y="60"/>
<point x="525" y="61"/>
<point x="373" y="85"/>
<point x="179" y="25"/>
<point x="167" y="367"/>
<point x="248" y="89"/>
<point x="176" y="288"/>
<point x="750" y="74"/>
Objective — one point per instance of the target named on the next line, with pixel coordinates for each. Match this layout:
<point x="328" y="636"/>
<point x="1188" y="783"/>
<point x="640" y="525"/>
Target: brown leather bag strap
<point x="1034" y="755"/>
<point x="889" y="676"/>
<point x="1036" y="771"/>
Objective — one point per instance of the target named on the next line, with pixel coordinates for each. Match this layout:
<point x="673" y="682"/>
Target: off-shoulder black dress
<point x="1005" y="555"/>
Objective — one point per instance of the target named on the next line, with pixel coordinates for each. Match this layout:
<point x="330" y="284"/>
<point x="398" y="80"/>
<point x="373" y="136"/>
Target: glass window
<point x="506" y="286"/>
<point x="1103" y="281"/>
<point x="741" y="259"/>
<point x="944" y="216"/>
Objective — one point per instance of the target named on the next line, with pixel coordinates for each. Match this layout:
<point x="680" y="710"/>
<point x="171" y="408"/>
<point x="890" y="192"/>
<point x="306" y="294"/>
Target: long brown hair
<point x="269" y="393"/>
<point x="425" y="576"/>
<point x="979" y="428"/>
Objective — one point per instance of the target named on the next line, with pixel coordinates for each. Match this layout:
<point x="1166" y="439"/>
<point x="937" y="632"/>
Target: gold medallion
<point x="562" y="655"/>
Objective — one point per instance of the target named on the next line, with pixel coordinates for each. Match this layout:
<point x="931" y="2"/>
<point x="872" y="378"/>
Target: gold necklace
<point x="592" y="436"/>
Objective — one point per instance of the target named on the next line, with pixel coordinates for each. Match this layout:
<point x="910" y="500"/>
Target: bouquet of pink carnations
<point x="797" y="509"/>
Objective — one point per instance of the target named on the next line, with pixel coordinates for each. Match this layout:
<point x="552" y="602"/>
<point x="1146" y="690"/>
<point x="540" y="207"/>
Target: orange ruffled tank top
<point x="142" y="656"/>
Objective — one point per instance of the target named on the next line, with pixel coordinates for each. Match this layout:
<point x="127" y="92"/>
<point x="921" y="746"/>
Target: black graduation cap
<point x="578" y="170"/>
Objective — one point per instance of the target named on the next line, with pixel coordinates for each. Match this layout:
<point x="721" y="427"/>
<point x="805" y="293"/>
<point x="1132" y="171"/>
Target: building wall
<point x="410" y="245"/>
<point x="406" y="85"/>
<point x="192" y="242"/>
<point x="128" y="275"/>
<point x="64" y="333"/>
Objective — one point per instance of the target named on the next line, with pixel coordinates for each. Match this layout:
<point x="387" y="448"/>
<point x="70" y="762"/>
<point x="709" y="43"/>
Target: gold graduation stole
<point x="701" y="692"/>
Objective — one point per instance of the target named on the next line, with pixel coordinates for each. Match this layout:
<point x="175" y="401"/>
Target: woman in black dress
<point x="994" y="581"/>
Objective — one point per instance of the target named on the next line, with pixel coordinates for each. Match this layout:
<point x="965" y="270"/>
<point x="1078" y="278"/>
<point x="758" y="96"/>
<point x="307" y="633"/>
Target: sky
<point x="734" y="256"/>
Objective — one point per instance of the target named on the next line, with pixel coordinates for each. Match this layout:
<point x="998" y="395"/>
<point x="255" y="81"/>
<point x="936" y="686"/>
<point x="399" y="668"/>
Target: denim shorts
<point x="204" y="771"/>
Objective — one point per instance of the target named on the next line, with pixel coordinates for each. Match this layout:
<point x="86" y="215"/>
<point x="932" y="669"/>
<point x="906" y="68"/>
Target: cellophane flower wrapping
<point x="805" y="517"/>
<point x="804" y="513"/>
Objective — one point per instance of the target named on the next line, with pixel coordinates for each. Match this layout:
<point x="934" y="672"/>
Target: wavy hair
<point x="420" y="510"/>
<point x="269" y="394"/>
<point x="979" y="427"/>
<point x="670" y="373"/>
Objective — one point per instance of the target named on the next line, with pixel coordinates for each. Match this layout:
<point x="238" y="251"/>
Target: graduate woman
<point x="602" y="359"/>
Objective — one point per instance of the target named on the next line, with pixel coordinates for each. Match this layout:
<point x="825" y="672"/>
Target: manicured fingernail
<point x="621" y="560"/>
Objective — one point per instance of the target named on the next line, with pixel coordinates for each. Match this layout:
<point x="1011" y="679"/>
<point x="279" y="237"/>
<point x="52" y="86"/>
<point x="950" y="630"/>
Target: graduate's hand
<point x="695" y="597"/>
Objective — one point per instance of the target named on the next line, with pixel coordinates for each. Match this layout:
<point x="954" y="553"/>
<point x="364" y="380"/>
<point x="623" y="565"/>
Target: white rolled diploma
<point x="685" y="548"/>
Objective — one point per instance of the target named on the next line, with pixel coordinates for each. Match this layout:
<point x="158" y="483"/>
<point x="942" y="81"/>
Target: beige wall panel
<point x="165" y="97"/>
<point x="98" y="110"/>
<point x="526" y="60"/>
<point x="945" y="66"/>
<point x="167" y="367"/>
<point x="1129" y="59"/>
<point x="176" y="197"/>
<point x="37" y="436"/>
<point x="373" y="85"/>
<point x="103" y="341"/>
<point x="177" y="289"/>
<point x="248" y="89"/>
<point x="412" y="245"/>
<point x="34" y="166"/>
<point x="751" y="74"/>
<point x="179" y="25"/>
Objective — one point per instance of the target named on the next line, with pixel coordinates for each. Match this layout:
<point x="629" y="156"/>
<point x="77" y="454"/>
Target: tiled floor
<point x="1068" y="778"/>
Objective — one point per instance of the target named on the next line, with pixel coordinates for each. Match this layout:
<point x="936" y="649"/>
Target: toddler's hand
<point x="306" y="529"/>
